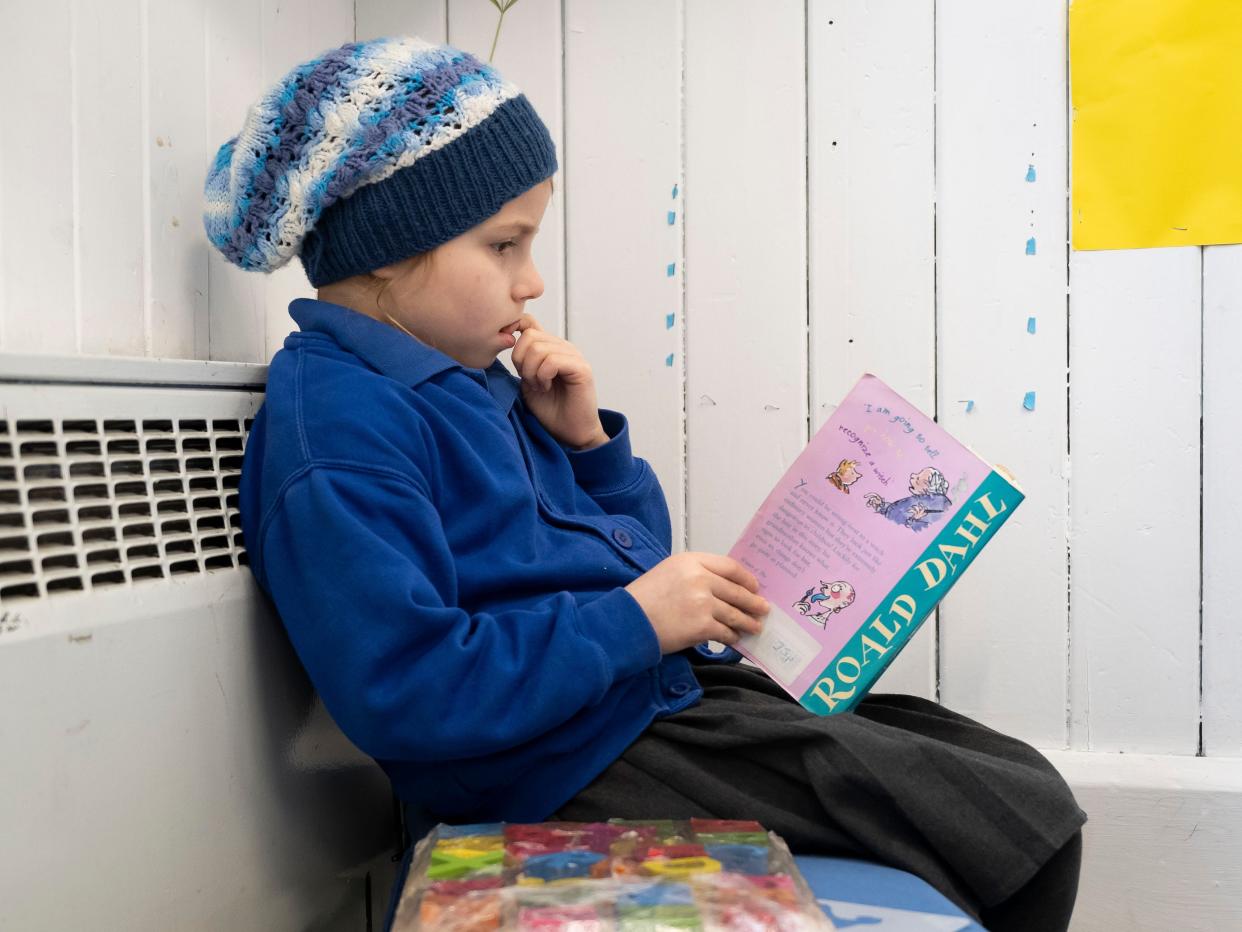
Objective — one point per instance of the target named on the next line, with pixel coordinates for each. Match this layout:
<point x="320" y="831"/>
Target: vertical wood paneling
<point x="1134" y="498"/>
<point x="37" y="179"/>
<point x="107" y="79"/>
<point x="295" y="31"/>
<point x="783" y="231"/>
<point x="236" y="298"/>
<point x="1222" y="500"/>
<point x="427" y="19"/>
<point x="1001" y="259"/>
<point x="179" y="153"/>
<point x="745" y="210"/>
<point x="619" y="197"/>
<point x="870" y="74"/>
<point x="528" y="53"/>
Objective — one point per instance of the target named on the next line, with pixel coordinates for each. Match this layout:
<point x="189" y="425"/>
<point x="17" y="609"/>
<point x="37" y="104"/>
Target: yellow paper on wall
<point x="1156" y="92"/>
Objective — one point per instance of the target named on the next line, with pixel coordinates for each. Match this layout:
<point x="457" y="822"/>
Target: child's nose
<point x="530" y="285"/>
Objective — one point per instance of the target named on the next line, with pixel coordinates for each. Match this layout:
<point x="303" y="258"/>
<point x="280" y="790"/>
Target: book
<point x="863" y="535"/>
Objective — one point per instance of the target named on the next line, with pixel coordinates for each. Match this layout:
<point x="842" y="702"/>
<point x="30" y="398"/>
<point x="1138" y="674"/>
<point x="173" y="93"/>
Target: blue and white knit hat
<point x="369" y="154"/>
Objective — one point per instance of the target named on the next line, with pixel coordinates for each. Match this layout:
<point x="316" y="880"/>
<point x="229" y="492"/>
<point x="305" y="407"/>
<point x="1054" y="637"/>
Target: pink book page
<point x="878" y="482"/>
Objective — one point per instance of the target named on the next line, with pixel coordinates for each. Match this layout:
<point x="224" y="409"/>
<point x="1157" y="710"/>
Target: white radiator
<point x="165" y="761"/>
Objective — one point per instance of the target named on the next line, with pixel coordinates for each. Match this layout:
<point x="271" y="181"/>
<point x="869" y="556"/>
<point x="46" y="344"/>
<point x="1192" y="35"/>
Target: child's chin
<point x="477" y="360"/>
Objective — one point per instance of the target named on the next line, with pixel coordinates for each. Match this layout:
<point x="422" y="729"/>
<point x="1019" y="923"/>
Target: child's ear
<point x="389" y="272"/>
<point x="392" y="272"/>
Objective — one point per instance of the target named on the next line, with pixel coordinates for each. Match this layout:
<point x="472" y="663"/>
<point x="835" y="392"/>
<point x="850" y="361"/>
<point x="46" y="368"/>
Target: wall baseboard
<point x="1163" y="847"/>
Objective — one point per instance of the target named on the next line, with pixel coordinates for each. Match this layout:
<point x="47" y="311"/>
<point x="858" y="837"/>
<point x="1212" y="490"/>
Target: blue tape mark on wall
<point x="1030" y="325"/>
<point x="668" y="321"/>
<point x="1030" y="246"/>
<point x="672" y="217"/>
<point x="674" y="190"/>
<point x="1030" y="172"/>
<point x="668" y="360"/>
<point x="970" y="406"/>
<point x="1029" y="401"/>
<point x="672" y="269"/>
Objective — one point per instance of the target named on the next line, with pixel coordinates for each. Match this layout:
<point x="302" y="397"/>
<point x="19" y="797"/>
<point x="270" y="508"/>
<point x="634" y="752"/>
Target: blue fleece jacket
<point x="450" y="575"/>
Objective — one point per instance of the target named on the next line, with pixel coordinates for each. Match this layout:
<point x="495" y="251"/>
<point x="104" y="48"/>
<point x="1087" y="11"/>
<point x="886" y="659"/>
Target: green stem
<point x="495" y="37"/>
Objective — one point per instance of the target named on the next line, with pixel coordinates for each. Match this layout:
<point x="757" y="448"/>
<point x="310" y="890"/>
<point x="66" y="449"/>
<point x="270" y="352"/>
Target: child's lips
<point x="509" y="335"/>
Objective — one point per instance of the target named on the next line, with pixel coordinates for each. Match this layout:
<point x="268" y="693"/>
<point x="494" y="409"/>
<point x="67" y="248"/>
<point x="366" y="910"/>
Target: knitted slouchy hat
<point x="369" y="154"/>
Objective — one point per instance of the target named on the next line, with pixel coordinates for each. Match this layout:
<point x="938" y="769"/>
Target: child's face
<point x="467" y="298"/>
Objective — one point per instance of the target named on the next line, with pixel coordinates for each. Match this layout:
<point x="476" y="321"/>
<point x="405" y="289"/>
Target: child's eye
<point x="500" y="247"/>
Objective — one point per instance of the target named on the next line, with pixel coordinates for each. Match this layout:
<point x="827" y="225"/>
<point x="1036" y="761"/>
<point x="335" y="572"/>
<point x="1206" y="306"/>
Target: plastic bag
<point x="618" y="876"/>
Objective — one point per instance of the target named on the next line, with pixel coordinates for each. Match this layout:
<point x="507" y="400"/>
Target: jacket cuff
<point x="620" y="626"/>
<point x="610" y="466"/>
<point x="705" y="653"/>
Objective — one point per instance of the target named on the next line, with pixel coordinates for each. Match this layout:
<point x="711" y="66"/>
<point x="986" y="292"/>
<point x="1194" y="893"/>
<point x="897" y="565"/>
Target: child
<point x="474" y="568"/>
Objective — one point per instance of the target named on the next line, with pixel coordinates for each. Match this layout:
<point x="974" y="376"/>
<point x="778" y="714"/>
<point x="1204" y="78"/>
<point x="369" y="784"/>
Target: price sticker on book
<point x="782" y="647"/>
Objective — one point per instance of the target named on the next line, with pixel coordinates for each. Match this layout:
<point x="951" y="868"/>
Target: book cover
<point x="863" y="535"/>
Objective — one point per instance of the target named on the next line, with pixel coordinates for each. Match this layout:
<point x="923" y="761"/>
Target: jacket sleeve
<point x="621" y="483"/>
<point x="361" y="573"/>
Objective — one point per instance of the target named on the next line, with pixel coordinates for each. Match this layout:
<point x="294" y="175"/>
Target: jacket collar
<point x="391" y="352"/>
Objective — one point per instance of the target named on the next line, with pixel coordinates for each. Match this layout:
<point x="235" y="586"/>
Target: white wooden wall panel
<point x="529" y="54"/>
<point x="804" y="264"/>
<point x="178" y="152"/>
<point x="295" y="31"/>
<point x="871" y="219"/>
<point x="112" y="183"/>
<point x="1134" y="499"/>
<point x="427" y="19"/>
<point x="1222" y="500"/>
<point x="37" y="180"/>
<point x="624" y="187"/>
<point x="1001" y="259"/>
<point x="745" y="268"/>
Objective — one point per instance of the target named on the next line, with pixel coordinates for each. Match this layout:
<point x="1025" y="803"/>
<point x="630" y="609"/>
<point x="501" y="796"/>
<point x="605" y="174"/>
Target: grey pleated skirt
<point x="901" y="781"/>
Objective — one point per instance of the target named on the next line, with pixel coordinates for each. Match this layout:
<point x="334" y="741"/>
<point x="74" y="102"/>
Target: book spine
<point x="851" y="673"/>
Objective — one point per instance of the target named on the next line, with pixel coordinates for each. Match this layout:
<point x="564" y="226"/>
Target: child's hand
<point x="690" y="598"/>
<point x="557" y="385"/>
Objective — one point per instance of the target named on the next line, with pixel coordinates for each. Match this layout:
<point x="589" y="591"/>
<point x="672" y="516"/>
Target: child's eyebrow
<point x="516" y="226"/>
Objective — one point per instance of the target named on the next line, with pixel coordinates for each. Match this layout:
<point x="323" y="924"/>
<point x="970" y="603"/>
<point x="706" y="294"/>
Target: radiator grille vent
<point x="91" y="503"/>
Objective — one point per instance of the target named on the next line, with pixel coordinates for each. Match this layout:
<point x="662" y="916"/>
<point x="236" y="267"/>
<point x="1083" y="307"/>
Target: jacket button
<point x="622" y="537"/>
<point x="679" y="689"/>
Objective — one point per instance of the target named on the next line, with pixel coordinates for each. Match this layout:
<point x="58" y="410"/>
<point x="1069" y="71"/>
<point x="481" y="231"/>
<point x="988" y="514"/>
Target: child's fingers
<point x="723" y="634"/>
<point x="525" y="332"/>
<point x="549" y="365"/>
<point x="566" y="366"/>
<point x="528" y="343"/>
<point x="545" y="360"/>
<point x="531" y="359"/>
<point x="530" y="336"/>
<point x="548" y="369"/>
<point x="731" y="569"/>
<point x="736" y="620"/>
<point x="740" y="597"/>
